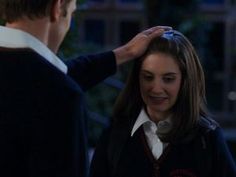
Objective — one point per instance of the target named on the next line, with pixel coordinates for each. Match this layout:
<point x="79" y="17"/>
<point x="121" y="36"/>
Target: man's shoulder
<point x="20" y="55"/>
<point x="13" y="51"/>
<point x="28" y="66"/>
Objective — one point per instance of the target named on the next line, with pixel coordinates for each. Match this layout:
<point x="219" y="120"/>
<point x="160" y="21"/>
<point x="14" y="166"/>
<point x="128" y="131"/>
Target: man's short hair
<point x="12" y="10"/>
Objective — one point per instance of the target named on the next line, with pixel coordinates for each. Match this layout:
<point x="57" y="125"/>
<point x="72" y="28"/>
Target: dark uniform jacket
<point x="203" y="154"/>
<point x="42" y="113"/>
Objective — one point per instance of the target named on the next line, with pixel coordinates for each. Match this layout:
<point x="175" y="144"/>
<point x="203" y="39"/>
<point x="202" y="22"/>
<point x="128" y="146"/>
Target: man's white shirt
<point x="14" y="38"/>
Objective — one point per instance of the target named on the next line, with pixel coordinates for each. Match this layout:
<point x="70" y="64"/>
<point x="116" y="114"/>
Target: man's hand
<point x="138" y="45"/>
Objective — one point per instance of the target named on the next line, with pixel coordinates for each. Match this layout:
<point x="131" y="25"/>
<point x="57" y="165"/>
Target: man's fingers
<point x="156" y="30"/>
<point x="156" y="33"/>
<point x="161" y="27"/>
<point x="152" y="29"/>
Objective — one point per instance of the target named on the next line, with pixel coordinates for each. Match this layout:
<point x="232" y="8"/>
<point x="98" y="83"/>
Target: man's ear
<point x="56" y="10"/>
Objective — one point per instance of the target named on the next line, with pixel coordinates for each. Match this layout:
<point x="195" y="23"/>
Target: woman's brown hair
<point x="190" y="104"/>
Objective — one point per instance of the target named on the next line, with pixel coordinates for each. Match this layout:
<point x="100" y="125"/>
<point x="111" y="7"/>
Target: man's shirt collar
<point x="13" y="38"/>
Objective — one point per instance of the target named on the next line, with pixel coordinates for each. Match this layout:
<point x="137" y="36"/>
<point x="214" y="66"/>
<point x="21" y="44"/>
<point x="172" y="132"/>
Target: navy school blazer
<point x="201" y="153"/>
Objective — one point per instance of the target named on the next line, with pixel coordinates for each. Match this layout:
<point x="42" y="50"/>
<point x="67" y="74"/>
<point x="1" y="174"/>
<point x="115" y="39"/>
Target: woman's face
<point x="160" y="79"/>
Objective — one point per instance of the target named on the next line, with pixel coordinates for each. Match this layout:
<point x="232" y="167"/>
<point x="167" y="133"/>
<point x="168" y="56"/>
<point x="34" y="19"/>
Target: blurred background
<point x="100" y="25"/>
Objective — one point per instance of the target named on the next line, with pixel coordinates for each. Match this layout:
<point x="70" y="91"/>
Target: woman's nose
<point x="157" y="86"/>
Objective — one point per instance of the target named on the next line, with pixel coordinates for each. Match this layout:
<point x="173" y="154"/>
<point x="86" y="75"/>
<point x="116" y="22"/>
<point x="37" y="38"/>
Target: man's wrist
<point x="122" y="54"/>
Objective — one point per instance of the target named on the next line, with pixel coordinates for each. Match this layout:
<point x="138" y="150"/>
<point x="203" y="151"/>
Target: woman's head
<point x="167" y="79"/>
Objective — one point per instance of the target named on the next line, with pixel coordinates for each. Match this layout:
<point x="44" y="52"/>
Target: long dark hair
<point x="190" y="104"/>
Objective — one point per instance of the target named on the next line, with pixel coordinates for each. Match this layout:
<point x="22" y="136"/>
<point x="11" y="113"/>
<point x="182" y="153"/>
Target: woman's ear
<point x="56" y="10"/>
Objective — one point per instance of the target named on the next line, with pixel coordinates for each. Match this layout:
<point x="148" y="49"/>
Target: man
<point x="42" y="129"/>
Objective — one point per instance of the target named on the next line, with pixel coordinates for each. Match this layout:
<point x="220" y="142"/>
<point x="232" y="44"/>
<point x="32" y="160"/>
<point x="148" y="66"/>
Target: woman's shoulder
<point x="207" y="124"/>
<point x="210" y="130"/>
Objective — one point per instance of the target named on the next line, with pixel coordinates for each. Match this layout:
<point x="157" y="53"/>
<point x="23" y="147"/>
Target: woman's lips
<point x="157" y="99"/>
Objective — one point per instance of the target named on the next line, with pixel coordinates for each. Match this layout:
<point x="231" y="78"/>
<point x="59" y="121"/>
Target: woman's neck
<point x="157" y="116"/>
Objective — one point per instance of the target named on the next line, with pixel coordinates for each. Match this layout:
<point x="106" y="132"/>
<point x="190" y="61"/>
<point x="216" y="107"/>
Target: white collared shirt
<point x="14" y="38"/>
<point x="151" y="132"/>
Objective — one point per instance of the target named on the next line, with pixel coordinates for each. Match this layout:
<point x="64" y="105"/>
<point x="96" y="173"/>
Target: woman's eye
<point x="147" y="77"/>
<point x="169" y="79"/>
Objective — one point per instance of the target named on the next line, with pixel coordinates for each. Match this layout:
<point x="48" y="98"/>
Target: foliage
<point x="1" y="22"/>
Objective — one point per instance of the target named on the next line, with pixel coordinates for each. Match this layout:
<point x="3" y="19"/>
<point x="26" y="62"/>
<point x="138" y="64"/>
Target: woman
<point x="160" y="123"/>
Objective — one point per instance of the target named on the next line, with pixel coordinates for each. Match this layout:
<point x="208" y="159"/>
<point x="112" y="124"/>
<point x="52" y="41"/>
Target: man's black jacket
<point x="42" y="113"/>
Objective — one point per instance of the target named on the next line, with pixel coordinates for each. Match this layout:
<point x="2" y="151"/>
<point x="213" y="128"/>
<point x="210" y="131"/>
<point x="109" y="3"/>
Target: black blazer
<point x="42" y="113"/>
